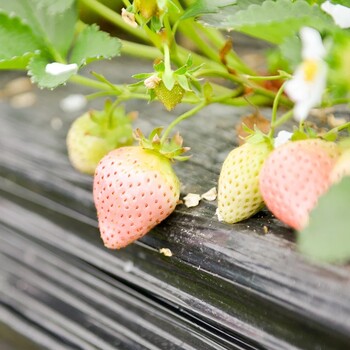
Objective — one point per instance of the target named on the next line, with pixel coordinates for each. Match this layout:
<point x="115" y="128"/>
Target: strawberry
<point x="169" y="98"/>
<point x="238" y="192"/>
<point x="341" y="167"/>
<point x="294" y="176"/>
<point x="93" y="135"/>
<point x="135" y="188"/>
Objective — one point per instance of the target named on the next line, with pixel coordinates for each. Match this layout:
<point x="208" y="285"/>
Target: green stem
<point x="187" y="28"/>
<point x="337" y="101"/>
<point x="182" y="117"/>
<point x="274" y="110"/>
<point x="284" y="118"/>
<point x="215" y="73"/>
<point x="139" y="50"/>
<point x="226" y="97"/>
<point x="81" y="80"/>
<point x="337" y="129"/>
<point x="190" y="29"/>
<point x="264" y="78"/>
<point x="240" y="80"/>
<point x="114" y="18"/>
<point x="167" y="63"/>
<point x="233" y="59"/>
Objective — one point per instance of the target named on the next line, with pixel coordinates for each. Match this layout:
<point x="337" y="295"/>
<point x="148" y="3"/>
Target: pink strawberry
<point x="135" y="188"/>
<point x="294" y="176"/>
<point x="238" y="194"/>
<point x="341" y="167"/>
<point x="94" y="134"/>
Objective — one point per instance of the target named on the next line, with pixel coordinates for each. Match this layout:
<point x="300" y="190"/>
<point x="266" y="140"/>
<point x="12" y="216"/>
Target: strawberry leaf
<point x="205" y="6"/>
<point x="272" y="21"/>
<point x="18" y="43"/>
<point x="54" y="6"/>
<point x="16" y="62"/>
<point x="55" y="29"/>
<point x="341" y="2"/>
<point x="327" y="237"/>
<point x="93" y="44"/>
<point x="36" y="69"/>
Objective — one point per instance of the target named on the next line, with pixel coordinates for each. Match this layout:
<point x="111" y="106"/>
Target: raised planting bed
<point x="241" y="286"/>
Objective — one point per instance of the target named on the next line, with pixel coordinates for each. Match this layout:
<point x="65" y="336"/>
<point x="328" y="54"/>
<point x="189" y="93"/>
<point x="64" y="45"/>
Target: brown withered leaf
<point x="252" y="121"/>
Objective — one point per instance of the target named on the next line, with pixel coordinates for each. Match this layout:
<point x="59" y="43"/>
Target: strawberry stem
<point x="337" y="129"/>
<point x="114" y="18"/>
<point x="111" y="110"/>
<point x="182" y="117"/>
<point x="274" y="110"/>
<point x="284" y="118"/>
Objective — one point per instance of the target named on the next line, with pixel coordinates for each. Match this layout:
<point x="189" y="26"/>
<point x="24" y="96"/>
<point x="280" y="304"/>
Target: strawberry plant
<point x="298" y="173"/>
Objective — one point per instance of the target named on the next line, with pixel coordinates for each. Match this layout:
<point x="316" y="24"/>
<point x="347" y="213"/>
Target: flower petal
<point x="339" y="13"/>
<point x="312" y="45"/>
<point x="282" y="138"/>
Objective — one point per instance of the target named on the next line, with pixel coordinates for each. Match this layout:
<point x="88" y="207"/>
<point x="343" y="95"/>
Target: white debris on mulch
<point x="192" y="200"/>
<point x="165" y="252"/>
<point x="210" y="195"/>
<point x="73" y="103"/>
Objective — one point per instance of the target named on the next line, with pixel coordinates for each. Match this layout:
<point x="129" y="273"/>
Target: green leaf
<point x="142" y="75"/>
<point x="16" y="62"/>
<point x="54" y="6"/>
<point x="93" y="44"/>
<point x="216" y="18"/>
<point x="341" y="2"/>
<point x="36" y="69"/>
<point x="159" y="67"/>
<point x="272" y="21"/>
<point x="327" y="237"/>
<point x="207" y="91"/>
<point x="205" y="6"/>
<point x="291" y="50"/>
<point x="168" y="79"/>
<point x="55" y="29"/>
<point x="182" y="80"/>
<point x="18" y="43"/>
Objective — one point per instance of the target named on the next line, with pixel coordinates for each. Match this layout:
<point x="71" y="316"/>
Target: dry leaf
<point x="210" y="195"/>
<point x="192" y="200"/>
<point x="252" y="121"/>
<point x="166" y="252"/>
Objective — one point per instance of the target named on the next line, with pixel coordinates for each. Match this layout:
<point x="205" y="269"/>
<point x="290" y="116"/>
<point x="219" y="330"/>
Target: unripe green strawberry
<point x="134" y="190"/>
<point x="238" y="193"/>
<point x="93" y="135"/>
<point x="294" y="176"/>
<point x="169" y="98"/>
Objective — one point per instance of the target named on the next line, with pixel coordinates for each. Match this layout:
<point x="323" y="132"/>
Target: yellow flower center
<point x="310" y="68"/>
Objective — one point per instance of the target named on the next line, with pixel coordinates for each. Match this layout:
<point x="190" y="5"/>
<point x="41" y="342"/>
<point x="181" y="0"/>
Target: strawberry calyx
<point x="112" y="124"/>
<point x="171" y="148"/>
<point x="256" y="136"/>
<point x="167" y="85"/>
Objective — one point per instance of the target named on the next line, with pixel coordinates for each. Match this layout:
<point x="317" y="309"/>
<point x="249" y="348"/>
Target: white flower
<point x="152" y="81"/>
<point x="306" y="87"/>
<point x="282" y="138"/>
<point x="56" y="68"/>
<point x="340" y="13"/>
